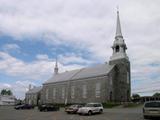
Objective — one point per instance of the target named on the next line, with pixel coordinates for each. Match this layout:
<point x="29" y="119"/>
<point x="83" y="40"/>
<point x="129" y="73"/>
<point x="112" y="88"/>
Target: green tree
<point x="136" y="96"/>
<point x="9" y="92"/>
<point x="6" y="92"/>
<point x="3" y="92"/>
<point x="156" y="94"/>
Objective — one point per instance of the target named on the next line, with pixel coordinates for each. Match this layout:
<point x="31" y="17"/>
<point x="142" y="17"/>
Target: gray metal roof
<point x="35" y="90"/>
<point x="98" y="70"/>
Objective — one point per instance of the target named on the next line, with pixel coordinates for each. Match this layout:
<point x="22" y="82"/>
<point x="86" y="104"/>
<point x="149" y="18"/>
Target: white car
<point x="91" y="108"/>
<point x="151" y="109"/>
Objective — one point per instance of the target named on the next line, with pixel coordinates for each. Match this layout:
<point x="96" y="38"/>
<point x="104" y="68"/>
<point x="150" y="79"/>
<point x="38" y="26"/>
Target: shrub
<point x="110" y="104"/>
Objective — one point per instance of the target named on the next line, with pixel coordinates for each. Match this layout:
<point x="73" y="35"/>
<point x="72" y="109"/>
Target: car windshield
<point x="89" y="105"/>
<point x="153" y="104"/>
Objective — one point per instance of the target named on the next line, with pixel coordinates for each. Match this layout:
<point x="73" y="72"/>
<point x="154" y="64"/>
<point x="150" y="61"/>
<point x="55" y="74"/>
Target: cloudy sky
<point x="80" y="33"/>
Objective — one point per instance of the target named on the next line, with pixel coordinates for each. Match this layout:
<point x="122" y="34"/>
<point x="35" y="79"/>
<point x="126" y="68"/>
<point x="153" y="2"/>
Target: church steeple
<point x="118" y="28"/>
<point x="119" y="47"/>
<point x="56" y="67"/>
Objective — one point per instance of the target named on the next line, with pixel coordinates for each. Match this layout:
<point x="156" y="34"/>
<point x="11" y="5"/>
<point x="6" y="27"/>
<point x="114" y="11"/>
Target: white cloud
<point x="11" y="47"/>
<point x="74" y="59"/>
<point x="42" y="57"/>
<point x="7" y="85"/>
<point x="40" y="69"/>
<point x="15" y="67"/>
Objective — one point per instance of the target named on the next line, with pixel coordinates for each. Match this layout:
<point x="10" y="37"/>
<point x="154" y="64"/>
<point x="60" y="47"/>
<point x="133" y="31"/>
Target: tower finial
<point x="118" y="28"/>
<point x="56" y="67"/>
<point x="117" y="8"/>
<point x="56" y="62"/>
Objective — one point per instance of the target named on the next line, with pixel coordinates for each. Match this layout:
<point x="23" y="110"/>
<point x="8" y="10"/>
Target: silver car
<point x="151" y="109"/>
<point x="91" y="108"/>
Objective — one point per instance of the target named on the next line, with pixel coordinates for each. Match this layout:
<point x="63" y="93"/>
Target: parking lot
<point x="9" y="113"/>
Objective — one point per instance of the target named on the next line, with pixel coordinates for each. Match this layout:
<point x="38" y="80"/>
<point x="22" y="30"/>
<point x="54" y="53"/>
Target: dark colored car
<point x="24" y="106"/>
<point x="151" y="109"/>
<point x="48" y="107"/>
<point x="73" y="108"/>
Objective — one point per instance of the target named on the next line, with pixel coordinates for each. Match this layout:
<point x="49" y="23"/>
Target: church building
<point x="108" y="82"/>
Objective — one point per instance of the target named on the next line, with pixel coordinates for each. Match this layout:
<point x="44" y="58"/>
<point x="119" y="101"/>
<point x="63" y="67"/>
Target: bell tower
<point x="119" y="47"/>
<point x="119" y="58"/>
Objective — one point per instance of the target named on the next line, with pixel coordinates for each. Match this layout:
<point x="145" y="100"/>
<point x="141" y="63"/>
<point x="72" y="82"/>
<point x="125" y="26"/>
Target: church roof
<point x="98" y="70"/>
<point x="35" y="90"/>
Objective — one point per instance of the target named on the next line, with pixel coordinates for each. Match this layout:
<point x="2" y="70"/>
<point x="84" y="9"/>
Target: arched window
<point x="117" y="48"/>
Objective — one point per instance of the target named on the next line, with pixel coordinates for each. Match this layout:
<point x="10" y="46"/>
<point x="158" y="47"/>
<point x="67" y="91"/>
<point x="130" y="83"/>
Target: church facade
<point x="108" y="82"/>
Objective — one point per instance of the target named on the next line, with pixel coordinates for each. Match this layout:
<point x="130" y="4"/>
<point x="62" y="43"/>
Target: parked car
<point x="151" y="109"/>
<point x="24" y="106"/>
<point x="48" y="107"/>
<point x="91" y="108"/>
<point x="73" y="108"/>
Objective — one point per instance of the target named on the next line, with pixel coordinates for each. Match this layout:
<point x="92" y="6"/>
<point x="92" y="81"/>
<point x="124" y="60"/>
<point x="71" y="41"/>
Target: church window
<point x="73" y="92"/>
<point x="54" y="93"/>
<point x="84" y="91"/>
<point x="128" y="95"/>
<point x="110" y="80"/>
<point x="117" y="48"/>
<point x="63" y="92"/>
<point x="110" y="95"/>
<point x="128" y="77"/>
<point x="98" y="90"/>
<point x="47" y="93"/>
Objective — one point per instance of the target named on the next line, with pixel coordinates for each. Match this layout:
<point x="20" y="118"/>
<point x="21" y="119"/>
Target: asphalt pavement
<point x="9" y="113"/>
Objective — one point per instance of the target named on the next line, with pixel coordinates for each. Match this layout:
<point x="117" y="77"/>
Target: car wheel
<point x="79" y="113"/>
<point x="145" y="117"/>
<point x="100" y="111"/>
<point x="45" y="110"/>
<point x="89" y="113"/>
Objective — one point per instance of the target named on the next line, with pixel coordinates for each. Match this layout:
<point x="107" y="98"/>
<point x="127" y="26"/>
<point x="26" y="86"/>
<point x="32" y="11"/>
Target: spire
<point x="56" y="67"/>
<point x="119" y="47"/>
<point x="56" y="63"/>
<point x="118" y="28"/>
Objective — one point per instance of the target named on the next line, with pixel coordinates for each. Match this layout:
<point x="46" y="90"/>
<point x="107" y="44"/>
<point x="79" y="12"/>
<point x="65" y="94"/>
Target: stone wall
<point x="32" y="98"/>
<point x="122" y="83"/>
<point x="90" y="83"/>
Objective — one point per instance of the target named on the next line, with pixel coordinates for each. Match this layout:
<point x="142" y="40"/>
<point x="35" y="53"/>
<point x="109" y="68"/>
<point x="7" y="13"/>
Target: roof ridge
<point x="77" y="72"/>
